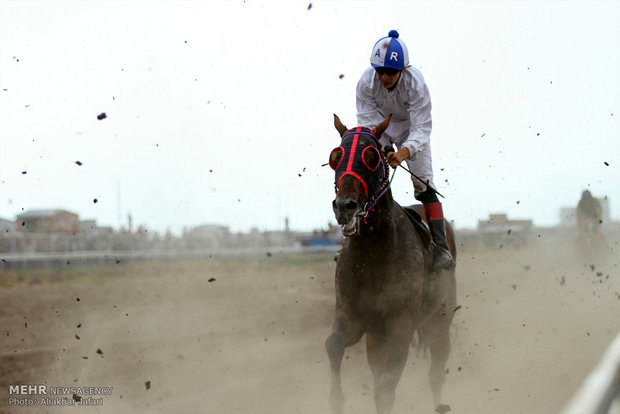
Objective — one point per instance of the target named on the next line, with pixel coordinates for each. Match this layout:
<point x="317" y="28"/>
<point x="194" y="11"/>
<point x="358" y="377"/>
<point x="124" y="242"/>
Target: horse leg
<point x="344" y="333"/>
<point x="436" y="334"/>
<point x="387" y="350"/>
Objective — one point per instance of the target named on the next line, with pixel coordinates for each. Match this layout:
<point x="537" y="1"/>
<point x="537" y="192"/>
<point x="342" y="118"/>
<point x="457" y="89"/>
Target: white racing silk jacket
<point x="409" y="103"/>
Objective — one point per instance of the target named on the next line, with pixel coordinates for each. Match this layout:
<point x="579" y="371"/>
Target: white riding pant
<point x="422" y="166"/>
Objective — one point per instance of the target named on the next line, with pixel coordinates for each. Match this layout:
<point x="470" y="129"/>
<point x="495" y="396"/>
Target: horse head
<point x="361" y="173"/>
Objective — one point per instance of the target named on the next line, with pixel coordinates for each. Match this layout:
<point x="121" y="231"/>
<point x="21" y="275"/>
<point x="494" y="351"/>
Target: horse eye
<point x="335" y="158"/>
<point x="371" y="158"/>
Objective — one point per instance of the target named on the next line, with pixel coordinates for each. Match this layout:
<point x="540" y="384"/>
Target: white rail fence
<point x="26" y="261"/>
<point x="600" y="392"/>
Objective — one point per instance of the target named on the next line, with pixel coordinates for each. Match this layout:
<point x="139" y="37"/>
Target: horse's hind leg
<point x="344" y="334"/>
<point x="387" y="350"/>
<point x="437" y="336"/>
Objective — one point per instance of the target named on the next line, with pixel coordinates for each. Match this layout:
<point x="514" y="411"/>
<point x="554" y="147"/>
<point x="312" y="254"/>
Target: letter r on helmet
<point x="394" y="56"/>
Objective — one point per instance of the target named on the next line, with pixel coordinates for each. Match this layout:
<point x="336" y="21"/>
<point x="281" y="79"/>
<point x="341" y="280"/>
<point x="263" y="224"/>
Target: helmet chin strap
<point x="395" y="84"/>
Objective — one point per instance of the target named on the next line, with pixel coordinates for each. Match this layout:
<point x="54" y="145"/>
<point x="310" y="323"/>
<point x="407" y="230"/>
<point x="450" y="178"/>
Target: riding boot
<point x="442" y="259"/>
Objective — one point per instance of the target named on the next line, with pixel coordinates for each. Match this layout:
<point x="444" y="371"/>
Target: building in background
<point x="499" y="230"/>
<point x="207" y="235"/>
<point x="48" y="221"/>
<point x="6" y="226"/>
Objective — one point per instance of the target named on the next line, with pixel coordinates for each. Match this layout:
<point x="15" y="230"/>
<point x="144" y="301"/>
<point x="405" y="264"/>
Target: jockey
<point x="391" y="87"/>
<point x="589" y="213"/>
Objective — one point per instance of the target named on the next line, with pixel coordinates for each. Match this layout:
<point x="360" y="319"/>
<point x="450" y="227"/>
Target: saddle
<point x="420" y="225"/>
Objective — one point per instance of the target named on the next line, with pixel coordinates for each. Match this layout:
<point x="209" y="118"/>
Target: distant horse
<point x="384" y="286"/>
<point x="589" y="220"/>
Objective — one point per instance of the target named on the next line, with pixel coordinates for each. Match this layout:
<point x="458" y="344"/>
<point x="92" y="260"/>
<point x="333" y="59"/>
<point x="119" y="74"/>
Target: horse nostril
<point x="344" y="205"/>
<point x="350" y="205"/>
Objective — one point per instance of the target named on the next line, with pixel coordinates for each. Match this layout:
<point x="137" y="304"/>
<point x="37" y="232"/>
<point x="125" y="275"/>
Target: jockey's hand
<point x="395" y="158"/>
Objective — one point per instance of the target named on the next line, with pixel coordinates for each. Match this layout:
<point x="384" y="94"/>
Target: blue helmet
<point x="390" y="52"/>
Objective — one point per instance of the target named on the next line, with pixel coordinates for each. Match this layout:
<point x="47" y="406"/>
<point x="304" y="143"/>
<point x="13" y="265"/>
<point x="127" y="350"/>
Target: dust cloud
<point x="246" y="334"/>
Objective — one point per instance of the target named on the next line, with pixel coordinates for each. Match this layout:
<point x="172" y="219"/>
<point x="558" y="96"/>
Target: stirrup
<point x="442" y="259"/>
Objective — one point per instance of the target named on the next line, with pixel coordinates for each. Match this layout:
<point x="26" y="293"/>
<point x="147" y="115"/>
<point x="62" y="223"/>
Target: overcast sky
<point x="220" y="112"/>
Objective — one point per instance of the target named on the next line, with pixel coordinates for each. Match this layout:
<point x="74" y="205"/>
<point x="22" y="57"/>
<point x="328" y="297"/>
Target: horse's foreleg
<point x="387" y="351"/>
<point x="344" y="334"/>
<point x="335" y="345"/>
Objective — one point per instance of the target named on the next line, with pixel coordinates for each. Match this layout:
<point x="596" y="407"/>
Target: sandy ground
<point x="169" y="339"/>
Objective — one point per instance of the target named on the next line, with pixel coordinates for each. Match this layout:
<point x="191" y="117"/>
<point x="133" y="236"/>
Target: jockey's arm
<point x="395" y="158"/>
<point x="419" y="109"/>
<point x="368" y="113"/>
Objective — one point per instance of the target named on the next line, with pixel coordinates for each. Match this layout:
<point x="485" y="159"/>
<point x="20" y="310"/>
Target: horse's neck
<point x="384" y="211"/>
<point x="379" y="225"/>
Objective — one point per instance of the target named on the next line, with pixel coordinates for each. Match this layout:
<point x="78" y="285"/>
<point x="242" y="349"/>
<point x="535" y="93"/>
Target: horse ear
<point x="380" y="129"/>
<point x="339" y="126"/>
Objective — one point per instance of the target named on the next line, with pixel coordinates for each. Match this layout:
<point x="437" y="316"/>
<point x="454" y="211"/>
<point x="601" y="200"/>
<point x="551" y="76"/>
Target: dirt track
<point x="533" y="322"/>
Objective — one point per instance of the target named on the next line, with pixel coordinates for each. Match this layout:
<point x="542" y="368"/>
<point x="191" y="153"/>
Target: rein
<point x="383" y="188"/>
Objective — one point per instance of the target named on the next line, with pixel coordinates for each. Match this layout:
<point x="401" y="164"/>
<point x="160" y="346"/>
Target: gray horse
<point x="384" y="284"/>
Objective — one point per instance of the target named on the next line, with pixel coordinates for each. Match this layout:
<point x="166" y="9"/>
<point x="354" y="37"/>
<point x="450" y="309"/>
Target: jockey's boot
<point x="442" y="259"/>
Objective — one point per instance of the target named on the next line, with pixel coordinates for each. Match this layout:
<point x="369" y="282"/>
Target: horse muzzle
<point x="347" y="214"/>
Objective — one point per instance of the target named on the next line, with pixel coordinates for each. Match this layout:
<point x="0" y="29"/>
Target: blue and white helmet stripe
<point x="390" y="52"/>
